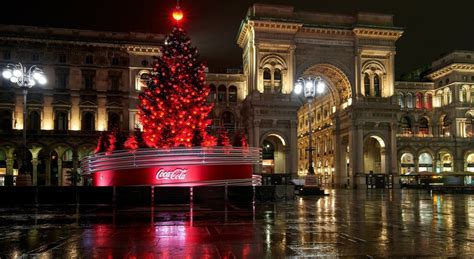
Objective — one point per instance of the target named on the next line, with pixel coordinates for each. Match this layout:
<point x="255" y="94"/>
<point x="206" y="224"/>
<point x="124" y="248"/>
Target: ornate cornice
<point x="327" y="31"/>
<point x="270" y="26"/>
<point x="280" y="27"/>
<point x="244" y="29"/>
<point x="456" y="67"/>
<point x="379" y="34"/>
<point x="143" y="50"/>
<point x="132" y="49"/>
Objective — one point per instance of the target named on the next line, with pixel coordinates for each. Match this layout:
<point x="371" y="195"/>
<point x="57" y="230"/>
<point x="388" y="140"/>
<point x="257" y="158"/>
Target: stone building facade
<point x="94" y="78"/>
<point x="364" y="122"/>
<point x="436" y="118"/>
<point x="354" y="55"/>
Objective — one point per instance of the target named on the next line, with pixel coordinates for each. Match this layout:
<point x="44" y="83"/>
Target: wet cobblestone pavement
<point x="373" y="223"/>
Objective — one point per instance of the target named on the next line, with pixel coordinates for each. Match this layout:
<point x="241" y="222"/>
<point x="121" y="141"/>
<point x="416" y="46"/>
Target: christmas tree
<point x="240" y="140"/>
<point x="115" y="140"/>
<point x="173" y="109"/>
<point x="135" y="141"/>
<point x="102" y="143"/>
<point x="223" y="138"/>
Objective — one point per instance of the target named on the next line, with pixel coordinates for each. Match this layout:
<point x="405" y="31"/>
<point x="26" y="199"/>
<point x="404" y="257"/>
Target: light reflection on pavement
<point x="373" y="223"/>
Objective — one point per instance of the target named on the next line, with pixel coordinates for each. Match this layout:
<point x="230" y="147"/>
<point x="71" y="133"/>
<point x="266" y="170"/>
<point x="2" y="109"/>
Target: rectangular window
<point x="62" y="58"/>
<point x="7" y="55"/>
<point x="114" y="83"/>
<point x="35" y="57"/>
<point x="88" y="79"/>
<point x="89" y="59"/>
<point x="115" y="61"/>
<point x="88" y="82"/>
<point x="62" y="78"/>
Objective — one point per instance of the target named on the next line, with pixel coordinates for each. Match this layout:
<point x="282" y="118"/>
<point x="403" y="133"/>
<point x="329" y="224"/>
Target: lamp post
<point x="310" y="86"/>
<point x="24" y="78"/>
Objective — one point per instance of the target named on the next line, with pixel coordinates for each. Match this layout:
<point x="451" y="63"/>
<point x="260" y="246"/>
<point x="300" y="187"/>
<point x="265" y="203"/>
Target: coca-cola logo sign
<point x="175" y="174"/>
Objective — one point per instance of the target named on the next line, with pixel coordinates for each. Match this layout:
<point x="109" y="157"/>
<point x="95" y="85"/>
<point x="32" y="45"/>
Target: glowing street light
<point x="24" y="78"/>
<point x="310" y="87"/>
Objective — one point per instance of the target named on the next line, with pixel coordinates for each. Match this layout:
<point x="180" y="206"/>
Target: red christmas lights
<point x="173" y="107"/>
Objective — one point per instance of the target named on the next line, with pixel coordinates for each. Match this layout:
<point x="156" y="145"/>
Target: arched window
<point x="267" y="80"/>
<point x="141" y="80"/>
<point x="377" y="91"/>
<point x="232" y="94"/>
<point x="5" y="120"/>
<point x="469" y="164"/>
<point x="212" y="94"/>
<point x="419" y="100"/>
<point x="221" y="94"/>
<point x="409" y="100"/>
<point x="34" y="121"/>
<point x="113" y="121"/>
<point x="407" y="164"/>
<point x="88" y="121"/>
<point x="405" y="126"/>
<point x="366" y="84"/>
<point x="228" y="120"/>
<point x="61" y="121"/>
<point x="429" y="102"/>
<point x="67" y="155"/>
<point x="472" y="94"/>
<point x="446" y="162"/>
<point x="401" y="100"/>
<point x="424" y="126"/>
<point x="277" y="81"/>
<point x="425" y="163"/>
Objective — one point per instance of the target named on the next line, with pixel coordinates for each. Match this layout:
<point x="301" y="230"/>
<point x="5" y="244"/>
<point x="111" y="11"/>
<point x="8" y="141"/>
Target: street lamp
<point x="310" y="86"/>
<point x="24" y="78"/>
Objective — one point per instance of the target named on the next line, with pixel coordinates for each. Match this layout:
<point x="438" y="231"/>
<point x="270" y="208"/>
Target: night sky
<point x="431" y="27"/>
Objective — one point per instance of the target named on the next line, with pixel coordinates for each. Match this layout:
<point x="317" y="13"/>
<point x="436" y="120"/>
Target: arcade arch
<point x="274" y="153"/>
<point x="374" y="155"/>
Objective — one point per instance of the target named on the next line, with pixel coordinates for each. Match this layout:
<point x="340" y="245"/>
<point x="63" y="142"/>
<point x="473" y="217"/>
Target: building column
<point x="75" y="162"/>
<point x="458" y="160"/>
<point x="10" y="162"/>
<point x="435" y="163"/>
<point x="291" y="69"/>
<point x="75" y="113"/>
<point x="34" y="162"/>
<point x="256" y="133"/>
<point x="385" y="163"/>
<point x="47" y="163"/>
<point x="356" y="142"/>
<point x="416" y="161"/>
<point x="250" y="132"/>
<point x="358" y="78"/>
<point x="60" y="172"/>
<point x="416" y="128"/>
<point x="435" y="129"/>
<point x="256" y="142"/>
<point x="75" y="168"/>
<point x="393" y="150"/>
<point x="9" y="173"/>
<point x="293" y="165"/>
